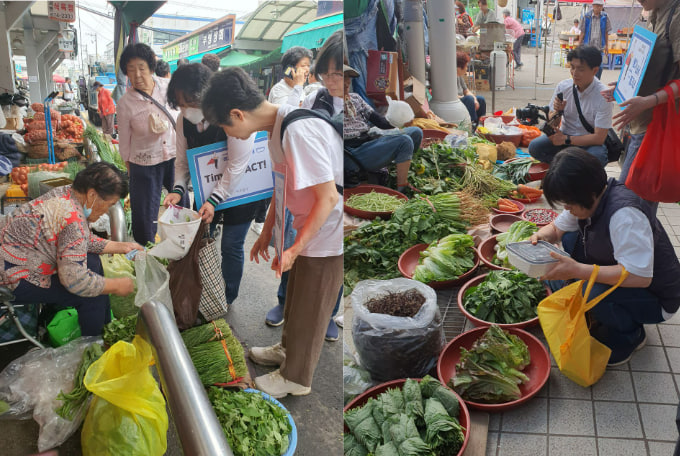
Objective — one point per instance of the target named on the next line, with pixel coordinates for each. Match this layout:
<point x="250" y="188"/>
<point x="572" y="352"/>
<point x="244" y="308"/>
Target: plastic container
<point x="533" y="260"/>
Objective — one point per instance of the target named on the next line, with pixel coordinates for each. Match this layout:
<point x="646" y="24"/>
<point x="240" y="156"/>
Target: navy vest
<point x="594" y="244"/>
<point x="233" y="215"/>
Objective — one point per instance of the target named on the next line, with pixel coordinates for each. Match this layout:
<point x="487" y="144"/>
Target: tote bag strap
<point x="593" y="277"/>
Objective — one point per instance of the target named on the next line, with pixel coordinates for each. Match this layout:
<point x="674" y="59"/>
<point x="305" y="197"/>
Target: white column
<point x="415" y="38"/>
<point x="445" y="103"/>
<point x="6" y="63"/>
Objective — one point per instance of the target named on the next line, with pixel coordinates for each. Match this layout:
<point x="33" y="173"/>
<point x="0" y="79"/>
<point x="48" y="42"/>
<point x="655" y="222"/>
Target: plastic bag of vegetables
<point x="118" y="266"/>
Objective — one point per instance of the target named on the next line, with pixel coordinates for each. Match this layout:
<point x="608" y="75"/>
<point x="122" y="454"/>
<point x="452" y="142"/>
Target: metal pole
<point x="492" y="79"/>
<point x="199" y="430"/>
<point x="545" y="42"/>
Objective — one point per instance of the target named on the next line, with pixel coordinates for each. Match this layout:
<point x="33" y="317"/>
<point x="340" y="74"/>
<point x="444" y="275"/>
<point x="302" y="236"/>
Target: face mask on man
<point x="193" y="115"/>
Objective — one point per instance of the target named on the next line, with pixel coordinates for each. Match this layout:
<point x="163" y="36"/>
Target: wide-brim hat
<point x="351" y="71"/>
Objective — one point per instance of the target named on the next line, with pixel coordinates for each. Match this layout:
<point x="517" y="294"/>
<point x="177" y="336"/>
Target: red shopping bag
<point x="654" y="172"/>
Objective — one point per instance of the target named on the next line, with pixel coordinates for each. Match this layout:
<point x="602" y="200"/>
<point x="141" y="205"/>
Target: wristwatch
<point x="568" y="141"/>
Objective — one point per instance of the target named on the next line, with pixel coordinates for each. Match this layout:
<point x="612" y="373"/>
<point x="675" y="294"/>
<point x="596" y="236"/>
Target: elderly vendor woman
<point x="51" y="257"/>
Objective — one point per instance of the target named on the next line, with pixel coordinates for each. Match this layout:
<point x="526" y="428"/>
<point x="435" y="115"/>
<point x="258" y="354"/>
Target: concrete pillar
<point x="35" y="57"/>
<point x="6" y="63"/>
<point x="445" y="103"/>
<point x="415" y="38"/>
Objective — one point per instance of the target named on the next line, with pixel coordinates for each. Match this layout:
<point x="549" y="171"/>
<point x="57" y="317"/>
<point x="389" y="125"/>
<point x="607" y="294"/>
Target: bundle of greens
<point x="253" y="425"/>
<point x="446" y="259"/>
<point x="211" y="361"/>
<point x="106" y="152"/>
<point x="120" y="329"/>
<point x="516" y="171"/>
<point x="374" y="202"/>
<point x="490" y="371"/>
<point x="505" y="297"/>
<point x="116" y="266"/>
<point x="212" y="331"/>
<point x="485" y="186"/>
<point x="419" y="419"/>
<point x="73" y="400"/>
<point x="518" y="231"/>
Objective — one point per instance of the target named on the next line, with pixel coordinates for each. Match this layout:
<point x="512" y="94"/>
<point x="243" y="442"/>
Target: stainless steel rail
<point x="196" y="423"/>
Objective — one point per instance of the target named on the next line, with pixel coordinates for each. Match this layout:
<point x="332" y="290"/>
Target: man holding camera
<point x="582" y="108"/>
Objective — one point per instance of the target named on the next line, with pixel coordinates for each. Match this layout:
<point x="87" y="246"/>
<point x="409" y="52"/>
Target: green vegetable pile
<point x="446" y="259"/>
<point x="118" y="266"/>
<point x="420" y="419"/>
<point x="106" y="152"/>
<point x="253" y="425"/>
<point x="74" y="400"/>
<point x="516" y="171"/>
<point x="505" y="297"/>
<point x="372" y="251"/>
<point x="120" y="329"/>
<point x="210" y="332"/>
<point x="518" y="231"/>
<point x="374" y="202"/>
<point x="490" y="371"/>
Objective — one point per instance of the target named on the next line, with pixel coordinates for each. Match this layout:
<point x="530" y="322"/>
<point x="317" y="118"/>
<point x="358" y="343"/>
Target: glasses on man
<point x="331" y="76"/>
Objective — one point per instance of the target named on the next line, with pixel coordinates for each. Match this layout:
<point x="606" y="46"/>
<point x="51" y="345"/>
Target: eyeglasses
<point x="329" y="76"/>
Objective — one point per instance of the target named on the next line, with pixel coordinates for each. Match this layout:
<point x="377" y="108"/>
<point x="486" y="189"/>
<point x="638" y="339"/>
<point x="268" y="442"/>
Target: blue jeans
<point x="380" y="152"/>
<point x="93" y="312"/>
<point x="233" y="237"/>
<point x="469" y="102"/>
<point x="542" y="149"/>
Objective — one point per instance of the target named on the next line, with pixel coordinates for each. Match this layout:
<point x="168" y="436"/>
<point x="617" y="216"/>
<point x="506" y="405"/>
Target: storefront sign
<point x="64" y="11"/>
<point x="635" y="64"/>
<point x="213" y="36"/>
<point x="207" y="163"/>
<point x="65" y="45"/>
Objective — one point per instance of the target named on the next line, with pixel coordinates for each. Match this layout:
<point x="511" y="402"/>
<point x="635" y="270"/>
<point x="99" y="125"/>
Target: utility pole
<point x="96" y="51"/>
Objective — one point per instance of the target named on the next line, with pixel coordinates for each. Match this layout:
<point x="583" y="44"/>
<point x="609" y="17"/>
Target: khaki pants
<point x="313" y="286"/>
<point x="107" y="124"/>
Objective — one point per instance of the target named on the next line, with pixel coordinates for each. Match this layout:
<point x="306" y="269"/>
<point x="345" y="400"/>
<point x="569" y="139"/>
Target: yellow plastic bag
<point x="127" y="416"/>
<point x="580" y="357"/>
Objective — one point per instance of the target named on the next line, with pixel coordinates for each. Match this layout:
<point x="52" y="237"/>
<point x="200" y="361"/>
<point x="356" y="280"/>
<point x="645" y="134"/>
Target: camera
<point x="532" y="114"/>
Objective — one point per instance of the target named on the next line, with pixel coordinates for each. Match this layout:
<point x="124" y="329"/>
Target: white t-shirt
<point x="313" y="154"/>
<point x="596" y="110"/>
<point x="282" y="93"/>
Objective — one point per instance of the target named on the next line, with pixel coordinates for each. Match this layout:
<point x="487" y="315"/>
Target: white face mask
<point x="193" y="115"/>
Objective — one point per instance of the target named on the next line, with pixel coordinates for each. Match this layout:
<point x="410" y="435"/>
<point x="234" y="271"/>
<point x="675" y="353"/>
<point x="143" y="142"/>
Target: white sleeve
<point x="307" y="154"/>
<point x="603" y="116"/>
<point x="633" y="242"/>
<point x="182" y="175"/>
<point x="239" y="151"/>
<point x="566" y="222"/>
<point x="309" y="100"/>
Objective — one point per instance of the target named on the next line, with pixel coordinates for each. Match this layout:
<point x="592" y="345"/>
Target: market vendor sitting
<point x="605" y="223"/>
<point x="51" y="257"/>
<point x="475" y="104"/>
<point x="582" y="88"/>
<point x="375" y="152"/>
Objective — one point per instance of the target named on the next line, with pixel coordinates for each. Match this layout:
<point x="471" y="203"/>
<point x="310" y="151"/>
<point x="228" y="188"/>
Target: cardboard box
<point x="382" y="78"/>
<point x="418" y="98"/>
<point x="482" y="85"/>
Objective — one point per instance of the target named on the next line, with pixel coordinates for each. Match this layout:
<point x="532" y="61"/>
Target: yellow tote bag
<point x="580" y="357"/>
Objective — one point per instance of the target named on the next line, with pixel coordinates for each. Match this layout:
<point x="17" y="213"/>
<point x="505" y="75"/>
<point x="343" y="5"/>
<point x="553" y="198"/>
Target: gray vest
<point x="594" y="244"/>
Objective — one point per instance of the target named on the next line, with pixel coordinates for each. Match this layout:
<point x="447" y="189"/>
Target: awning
<point x="313" y="34"/>
<point x="196" y="58"/>
<point x="250" y="61"/>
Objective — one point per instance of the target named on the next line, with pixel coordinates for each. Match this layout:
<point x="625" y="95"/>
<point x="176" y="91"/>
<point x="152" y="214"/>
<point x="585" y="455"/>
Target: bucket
<point x="292" y="438"/>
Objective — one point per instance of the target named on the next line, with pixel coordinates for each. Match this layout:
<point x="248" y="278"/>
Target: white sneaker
<point x="340" y="320"/>
<point x="277" y="387"/>
<point x="257" y="227"/>
<point x="274" y="355"/>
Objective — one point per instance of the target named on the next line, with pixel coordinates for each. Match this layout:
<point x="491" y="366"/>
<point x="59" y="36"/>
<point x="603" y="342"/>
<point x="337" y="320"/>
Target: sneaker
<point x="273" y="355"/>
<point x="339" y="320"/>
<point x="332" y="333"/>
<point x="257" y="227"/>
<point x="622" y="356"/>
<point x="277" y="387"/>
<point x="275" y="316"/>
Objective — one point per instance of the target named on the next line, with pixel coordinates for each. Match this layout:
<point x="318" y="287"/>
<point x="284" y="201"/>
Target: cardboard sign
<point x="280" y="174"/>
<point x="635" y="64"/>
<point x="64" y="11"/>
<point x="207" y="163"/>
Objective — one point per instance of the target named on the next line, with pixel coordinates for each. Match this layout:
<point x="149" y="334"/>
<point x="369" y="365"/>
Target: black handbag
<point x="612" y="143"/>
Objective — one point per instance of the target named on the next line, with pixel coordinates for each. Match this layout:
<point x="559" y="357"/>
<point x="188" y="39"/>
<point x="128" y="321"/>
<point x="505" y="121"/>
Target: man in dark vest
<point x="605" y="223"/>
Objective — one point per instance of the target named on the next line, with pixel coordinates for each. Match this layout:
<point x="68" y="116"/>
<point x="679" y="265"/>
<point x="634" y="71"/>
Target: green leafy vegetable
<point x="490" y="371"/>
<point x="444" y="433"/>
<point x="253" y="425"/>
<point x="505" y="297"/>
<point x="516" y="171"/>
<point x="210" y="359"/>
<point x="446" y="259"/>
<point x="374" y="202"/>
<point x="353" y="448"/>
<point x="215" y="330"/>
<point x="116" y="266"/>
<point x="74" y="400"/>
<point x="106" y="152"/>
<point x="120" y="329"/>
<point x="518" y="231"/>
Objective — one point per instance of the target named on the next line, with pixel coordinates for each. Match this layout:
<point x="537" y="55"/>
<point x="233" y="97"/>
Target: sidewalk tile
<point x="562" y="387"/>
<point x="614" y="386"/>
<point x="653" y="337"/>
<point x="674" y="357"/>
<point x="659" y="448"/>
<point x="573" y="417"/>
<point x="530" y="417"/>
<point x="621" y="447"/>
<point x="491" y="443"/>
<point x="495" y="421"/>
<point x="673" y="219"/>
<point x="649" y="359"/>
<point x="658" y="421"/>
<point x="522" y="445"/>
<point x="670" y="335"/>
<point x="675" y="320"/>
<point x="569" y="446"/>
<point x="617" y="419"/>
<point x="655" y="387"/>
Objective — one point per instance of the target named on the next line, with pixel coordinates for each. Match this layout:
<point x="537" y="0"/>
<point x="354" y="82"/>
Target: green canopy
<point x="313" y="34"/>
<point x="197" y="57"/>
<point x="251" y="62"/>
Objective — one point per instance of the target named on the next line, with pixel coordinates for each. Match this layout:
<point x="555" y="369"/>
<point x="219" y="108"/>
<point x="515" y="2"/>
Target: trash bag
<point x="127" y="416"/>
<point x="355" y="378"/>
<point x="396" y="347"/>
<point x="152" y="281"/>
<point x="398" y="113"/>
<point x="177" y="227"/>
<point x="33" y="382"/>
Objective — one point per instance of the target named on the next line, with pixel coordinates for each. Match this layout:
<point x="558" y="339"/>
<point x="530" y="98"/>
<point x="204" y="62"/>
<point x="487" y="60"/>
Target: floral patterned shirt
<point x="48" y="236"/>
